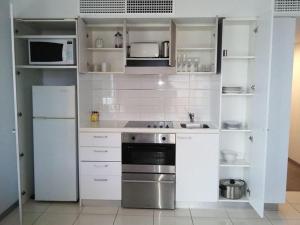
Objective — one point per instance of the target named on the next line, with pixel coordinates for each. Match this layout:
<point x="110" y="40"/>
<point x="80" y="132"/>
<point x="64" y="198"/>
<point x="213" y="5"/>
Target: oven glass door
<point x="148" y="154"/>
<point x="46" y="52"/>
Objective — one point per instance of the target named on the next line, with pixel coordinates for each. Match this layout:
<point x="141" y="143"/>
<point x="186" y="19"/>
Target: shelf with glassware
<point x="196" y="47"/>
<point x="101" y="47"/>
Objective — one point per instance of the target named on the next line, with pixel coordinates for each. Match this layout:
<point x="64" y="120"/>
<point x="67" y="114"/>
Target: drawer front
<point x="100" y="139"/>
<point x="101" y="187"/>
<point x="100" y="154"/>
<point x="100" y="168"/>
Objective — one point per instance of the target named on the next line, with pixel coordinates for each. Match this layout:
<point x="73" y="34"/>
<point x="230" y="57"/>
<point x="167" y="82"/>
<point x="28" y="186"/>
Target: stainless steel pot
<point x="232" y="188"/>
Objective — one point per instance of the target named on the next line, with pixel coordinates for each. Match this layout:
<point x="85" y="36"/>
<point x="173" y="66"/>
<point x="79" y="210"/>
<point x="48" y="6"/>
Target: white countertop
<point x="119" y="126"/>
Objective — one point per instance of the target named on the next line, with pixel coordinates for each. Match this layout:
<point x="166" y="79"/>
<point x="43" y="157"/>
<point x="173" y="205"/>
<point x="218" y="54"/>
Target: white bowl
<point x="229" y="155"/>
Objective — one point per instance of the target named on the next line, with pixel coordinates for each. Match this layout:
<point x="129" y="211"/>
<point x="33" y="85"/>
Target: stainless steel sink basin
<point x="194" y="125"/>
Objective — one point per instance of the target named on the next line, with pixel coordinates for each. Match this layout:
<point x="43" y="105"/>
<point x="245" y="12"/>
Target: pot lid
<point x="233" y="182"/>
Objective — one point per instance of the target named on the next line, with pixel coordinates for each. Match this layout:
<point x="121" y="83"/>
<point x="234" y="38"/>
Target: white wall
<point x="8" y="167"/>
<point x="294" y="148"/>
<point x="184" y="8"/>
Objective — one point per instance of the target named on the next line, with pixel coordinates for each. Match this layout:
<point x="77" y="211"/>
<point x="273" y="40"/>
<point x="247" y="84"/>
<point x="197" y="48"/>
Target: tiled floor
<point x="71" y="214"/>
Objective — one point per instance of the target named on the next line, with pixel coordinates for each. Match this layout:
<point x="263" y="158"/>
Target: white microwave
<point x="51" y="51"/>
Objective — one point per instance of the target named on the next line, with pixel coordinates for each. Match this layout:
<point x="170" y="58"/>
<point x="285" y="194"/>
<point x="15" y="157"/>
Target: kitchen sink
<point x="194" y="125"/>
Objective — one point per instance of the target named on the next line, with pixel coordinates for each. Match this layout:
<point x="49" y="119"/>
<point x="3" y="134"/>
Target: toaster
<point x="144" y="50"/>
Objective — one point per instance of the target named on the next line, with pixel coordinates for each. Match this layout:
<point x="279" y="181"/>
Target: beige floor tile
<point x="285" y="211"/>
<point x="64" y="208"/>
<point x="242" y="214"/>
<point x="133" y="220"/>
<point x="135" y="212"/>
<point x="99" y="210"/>
<point x="56" y="219"/>
<point x="211" y="221"/>
<point x="34" y="206"/>
<point x="209" y="213"/>
<point x="293" y="197"/>
<point x="296" y="206"/>
<point x="285" y="222"/>
<point x="95" y="220"/>
<point x="172" y="220"/>
<point x="250" y="222"/>
<point x="176" y="212"/>
<point x="11" y="219"/>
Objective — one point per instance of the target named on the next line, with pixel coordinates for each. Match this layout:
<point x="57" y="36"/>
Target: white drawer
<point x="101" y="187"/>
<point x="100" y="168"/>
<point x="100" y="154"/>
<point x="100" y="139"/>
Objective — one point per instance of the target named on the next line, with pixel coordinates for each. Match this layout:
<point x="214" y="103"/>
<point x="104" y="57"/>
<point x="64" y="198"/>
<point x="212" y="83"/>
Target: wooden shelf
<point x="106" y="49"/>
<point x="45" y="67"/>
<point x="239" y="57"/>
<point x="45" y="36"/>
<point x="238" y="163"/>
<point x="195" y="49"/>
<point x="243" y="199"/>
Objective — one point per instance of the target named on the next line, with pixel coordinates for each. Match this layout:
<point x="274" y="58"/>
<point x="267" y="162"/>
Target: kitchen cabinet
<point x="100" y="166"/>
<point x="197" y="43"/>
<point x="197" y="161"/>
<point x="27" y="75"/>
<point x="45" y="9"/>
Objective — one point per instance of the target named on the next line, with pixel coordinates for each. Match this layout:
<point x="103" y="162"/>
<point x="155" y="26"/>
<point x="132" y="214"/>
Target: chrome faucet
<point x="192" y="117"/>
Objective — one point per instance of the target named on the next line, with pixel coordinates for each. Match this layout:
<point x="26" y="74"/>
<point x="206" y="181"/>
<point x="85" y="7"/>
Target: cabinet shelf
<point x="236" y="130"/>
<point x="243" y="199"/>
<point x="45" y="67"/>
<point x="106" y="49"/>
<point x="102" y="73"/>
<point x="239" y="57"/>
<point x="237" y="163"/>
<point x="195" y="49"/>
<point x="45" y="36"/>
<point x="199" y="73"/>
<point x="237" y="94"/>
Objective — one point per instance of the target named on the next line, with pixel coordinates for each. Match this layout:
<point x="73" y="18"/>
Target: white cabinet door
<point x="45" y="9"/>
<point x="259" y="111"/>
<point x="197" y="160"/>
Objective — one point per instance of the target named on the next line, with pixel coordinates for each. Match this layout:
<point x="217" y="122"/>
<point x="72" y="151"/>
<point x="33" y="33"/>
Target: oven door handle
<point x="149" y="181"/>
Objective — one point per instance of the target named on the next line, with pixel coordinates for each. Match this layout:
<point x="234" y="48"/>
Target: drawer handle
<point x="101" y="180"/>
<point x="148" y="181"/>
<point x="100" y="151"/>
<point x="100" y="136"/>
<point x="100" y="166"/>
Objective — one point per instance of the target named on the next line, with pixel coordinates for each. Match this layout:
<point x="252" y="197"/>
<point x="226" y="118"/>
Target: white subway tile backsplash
<point x="153" y="97"/>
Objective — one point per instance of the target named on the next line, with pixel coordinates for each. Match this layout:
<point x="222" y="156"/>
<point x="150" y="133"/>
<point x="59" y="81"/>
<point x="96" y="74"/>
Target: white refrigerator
<point x="55" y="143"/>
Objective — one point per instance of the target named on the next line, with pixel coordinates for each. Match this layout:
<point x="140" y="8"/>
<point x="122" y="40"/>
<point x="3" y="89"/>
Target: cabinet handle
<point x="100" y="151"/>
<point x="21" y="154"/>
<point x="100" y="166"/>
<point x="148" y="181"/>
<point x="100" y="136"/>
<point x="101" y="180"/>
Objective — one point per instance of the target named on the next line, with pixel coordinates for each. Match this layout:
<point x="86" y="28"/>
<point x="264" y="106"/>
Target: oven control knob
<point x="163" y="138"/>
<point x="133" y="138"/>
<point x="149" y="126"/>
<point x="161" y="126"/>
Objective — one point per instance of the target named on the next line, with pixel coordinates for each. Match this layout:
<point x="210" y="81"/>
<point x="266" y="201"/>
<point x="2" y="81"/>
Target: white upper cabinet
<point x="45" y="8"/>
<point x="197" y="167"/>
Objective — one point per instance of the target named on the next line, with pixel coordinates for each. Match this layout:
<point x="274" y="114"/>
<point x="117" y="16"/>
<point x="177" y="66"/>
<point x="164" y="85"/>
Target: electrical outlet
<point x="115" y="108"/>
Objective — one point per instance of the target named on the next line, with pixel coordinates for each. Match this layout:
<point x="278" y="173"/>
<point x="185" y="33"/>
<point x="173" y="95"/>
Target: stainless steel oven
<point x="148" y="170"/>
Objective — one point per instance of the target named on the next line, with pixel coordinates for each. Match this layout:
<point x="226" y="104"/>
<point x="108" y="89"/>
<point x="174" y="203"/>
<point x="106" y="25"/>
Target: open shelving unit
<point x="238" y="70"/>
<point x="197" y="40"/>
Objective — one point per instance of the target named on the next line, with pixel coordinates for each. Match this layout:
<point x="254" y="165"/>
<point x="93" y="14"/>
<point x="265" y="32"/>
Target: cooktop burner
<point x="149" y="124"/>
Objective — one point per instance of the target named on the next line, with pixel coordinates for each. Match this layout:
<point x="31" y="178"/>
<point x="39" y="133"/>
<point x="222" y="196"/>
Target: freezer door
<point x="55" y="162"/>
<point x="53" y="101"/>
